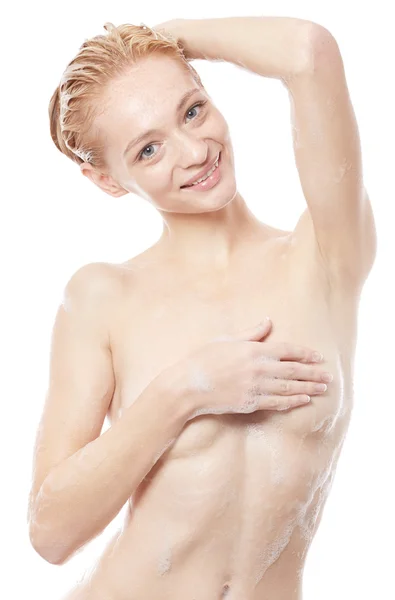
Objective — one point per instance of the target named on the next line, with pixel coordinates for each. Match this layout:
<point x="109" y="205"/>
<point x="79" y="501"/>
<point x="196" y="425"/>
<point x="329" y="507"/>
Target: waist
<point x="197" y="581"/>
<point x="148" y="561"/>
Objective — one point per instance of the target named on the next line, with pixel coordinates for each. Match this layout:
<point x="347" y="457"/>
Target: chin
<point x="214" y="203"/>
<point x="213" y="200"/>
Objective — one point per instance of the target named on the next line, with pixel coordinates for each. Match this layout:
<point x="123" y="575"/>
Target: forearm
<point x="277" y="47"/>
<point x="83" y="494"/>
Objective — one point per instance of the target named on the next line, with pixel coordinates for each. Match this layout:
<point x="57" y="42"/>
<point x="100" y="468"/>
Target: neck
<point x="210" y="241"/>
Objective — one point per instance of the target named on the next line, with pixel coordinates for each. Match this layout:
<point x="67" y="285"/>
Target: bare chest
<point x="161" y="321"/>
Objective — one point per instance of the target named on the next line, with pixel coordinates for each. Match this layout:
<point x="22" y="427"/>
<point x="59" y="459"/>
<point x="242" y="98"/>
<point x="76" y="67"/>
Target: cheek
<point x="137" y="188"/>
<point x="219" y="123"/>
<point x="152" y="187"/>
<point x="145" y="180"/>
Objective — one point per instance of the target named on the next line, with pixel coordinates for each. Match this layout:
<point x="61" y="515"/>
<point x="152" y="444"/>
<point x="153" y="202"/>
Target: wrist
<point x="174" y="386"/>
<point x="182" y="30"/>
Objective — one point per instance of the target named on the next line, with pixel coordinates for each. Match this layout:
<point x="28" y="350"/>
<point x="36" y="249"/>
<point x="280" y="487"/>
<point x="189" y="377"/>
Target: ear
<point x="103" y="181"/>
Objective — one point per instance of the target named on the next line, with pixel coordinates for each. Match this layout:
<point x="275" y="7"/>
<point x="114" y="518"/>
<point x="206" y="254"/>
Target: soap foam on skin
<point x="297" y="520"/>
<point x="133" y="187"/>
<point x="279" y="544"/>
<point x="164" y="562"/>
<point x="255" y="430"/>
<point x="199" y="381"/>
<point x="44" y="500"/>
<point x="262" y="358"/>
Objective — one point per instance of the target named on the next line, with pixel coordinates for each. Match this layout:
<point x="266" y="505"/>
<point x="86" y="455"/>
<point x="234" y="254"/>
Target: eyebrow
<point x="150" y="132"/>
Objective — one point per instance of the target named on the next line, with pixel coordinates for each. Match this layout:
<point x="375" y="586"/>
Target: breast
<point x="298" y="306"/>
<point x="316" y="419"/>
<point x="324" y="412"/>
<point x="198" y="434"/>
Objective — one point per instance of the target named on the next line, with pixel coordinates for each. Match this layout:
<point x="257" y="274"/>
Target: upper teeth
<point x="207" y="174"/>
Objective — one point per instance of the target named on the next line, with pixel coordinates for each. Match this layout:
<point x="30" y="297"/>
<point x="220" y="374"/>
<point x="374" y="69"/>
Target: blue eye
<point x="143" y="156"/>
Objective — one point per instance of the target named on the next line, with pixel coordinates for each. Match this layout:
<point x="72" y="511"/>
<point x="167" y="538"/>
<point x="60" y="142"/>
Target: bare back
<point x="232" y="506"/>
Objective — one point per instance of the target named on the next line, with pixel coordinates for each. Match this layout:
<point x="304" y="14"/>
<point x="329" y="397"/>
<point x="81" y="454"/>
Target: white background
<point x="54" y="221"/>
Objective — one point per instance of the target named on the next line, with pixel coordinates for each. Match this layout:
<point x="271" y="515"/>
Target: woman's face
<point x="186" y="139"/>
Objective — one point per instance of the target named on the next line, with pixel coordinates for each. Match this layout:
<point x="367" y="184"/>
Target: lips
<point x="201" y="173"/>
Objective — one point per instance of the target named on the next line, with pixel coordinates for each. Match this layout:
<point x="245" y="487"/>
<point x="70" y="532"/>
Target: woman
<point x="220" y="441"/>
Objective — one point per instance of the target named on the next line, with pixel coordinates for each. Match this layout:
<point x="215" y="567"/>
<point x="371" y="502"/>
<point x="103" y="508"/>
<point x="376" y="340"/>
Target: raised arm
<point x="269" y="46"/>
<point x="81" y="479"/>
<point x="338" y="225"/>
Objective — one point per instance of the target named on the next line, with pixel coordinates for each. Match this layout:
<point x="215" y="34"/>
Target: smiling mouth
<point x="194" y="185"/>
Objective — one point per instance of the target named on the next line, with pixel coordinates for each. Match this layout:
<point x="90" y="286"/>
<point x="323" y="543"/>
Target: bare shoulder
<point x="97" y="282"/>
<point x="92" y="289"/>
<point x="104" y="284"/>
<point x="94" y="278"/>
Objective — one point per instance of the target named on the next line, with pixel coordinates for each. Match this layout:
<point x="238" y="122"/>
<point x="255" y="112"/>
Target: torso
<point x="231" y="508"/>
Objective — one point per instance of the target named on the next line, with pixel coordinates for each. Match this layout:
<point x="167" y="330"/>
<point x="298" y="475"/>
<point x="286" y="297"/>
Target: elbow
<point x="46" y="538"/>
<point x="322" y="48"/>
<point x="47" y="546"/>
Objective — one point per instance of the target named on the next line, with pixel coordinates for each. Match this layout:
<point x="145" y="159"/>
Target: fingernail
<point x="317" y="357"/>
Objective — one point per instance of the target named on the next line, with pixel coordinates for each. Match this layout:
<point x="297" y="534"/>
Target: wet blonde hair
<point x="76" y="100"/>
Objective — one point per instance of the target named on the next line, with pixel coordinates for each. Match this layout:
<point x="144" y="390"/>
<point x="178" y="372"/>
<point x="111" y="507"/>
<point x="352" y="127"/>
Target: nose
<point x="192" y="151"/>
